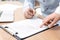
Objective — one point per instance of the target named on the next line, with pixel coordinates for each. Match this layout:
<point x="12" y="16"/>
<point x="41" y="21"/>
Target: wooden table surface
<point x="51" y="34"/>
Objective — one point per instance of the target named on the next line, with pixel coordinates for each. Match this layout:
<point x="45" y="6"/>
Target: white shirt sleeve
<point x="58" y="9"/>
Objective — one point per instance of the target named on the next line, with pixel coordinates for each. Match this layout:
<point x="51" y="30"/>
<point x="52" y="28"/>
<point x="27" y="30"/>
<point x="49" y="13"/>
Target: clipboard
<point x="20" y="36"/>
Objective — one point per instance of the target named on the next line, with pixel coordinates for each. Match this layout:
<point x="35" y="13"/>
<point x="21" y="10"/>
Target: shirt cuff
<point x="57" y="10"/>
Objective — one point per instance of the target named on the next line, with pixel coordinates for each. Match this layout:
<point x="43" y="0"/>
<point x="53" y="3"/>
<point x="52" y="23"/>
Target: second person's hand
<point x="50" y="20"/>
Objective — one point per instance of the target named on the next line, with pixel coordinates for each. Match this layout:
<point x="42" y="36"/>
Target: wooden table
<point x="51" y="34"/>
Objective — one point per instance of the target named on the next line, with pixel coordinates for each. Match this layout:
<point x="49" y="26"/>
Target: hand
<point x="50" y="20"/>
<point x="29" y="13"/>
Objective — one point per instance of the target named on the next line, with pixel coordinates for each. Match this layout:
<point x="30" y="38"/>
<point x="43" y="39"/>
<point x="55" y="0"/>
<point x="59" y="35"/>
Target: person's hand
<point x="29" y="13"/>
<point x="50" y="20"/>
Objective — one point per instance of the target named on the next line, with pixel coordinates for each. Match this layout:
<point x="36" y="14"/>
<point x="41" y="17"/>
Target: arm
<point x="53" y="18"/>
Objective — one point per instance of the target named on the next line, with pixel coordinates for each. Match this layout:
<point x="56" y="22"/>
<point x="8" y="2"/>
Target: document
<point x="25" y="27"/>
<point x="7" y="12"/>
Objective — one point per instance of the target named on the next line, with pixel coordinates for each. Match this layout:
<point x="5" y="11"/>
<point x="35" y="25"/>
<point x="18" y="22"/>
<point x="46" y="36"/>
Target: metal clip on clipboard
<point x="18" y="38"/>
<point x="12" y="34"/>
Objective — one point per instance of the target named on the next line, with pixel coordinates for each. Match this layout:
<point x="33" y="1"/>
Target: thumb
<point x="34" y="11"/>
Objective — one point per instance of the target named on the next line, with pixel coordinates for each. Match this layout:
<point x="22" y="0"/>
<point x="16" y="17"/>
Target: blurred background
<point x="13" y="0"/>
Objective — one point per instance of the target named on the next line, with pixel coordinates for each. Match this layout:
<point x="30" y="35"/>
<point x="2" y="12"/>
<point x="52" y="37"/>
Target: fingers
<point x="46" y="21"/>
<point x="53" y="22"/>
<point x="27" y="15"/>
<point x="50" y="20"/>
<point x="31" y="12"/>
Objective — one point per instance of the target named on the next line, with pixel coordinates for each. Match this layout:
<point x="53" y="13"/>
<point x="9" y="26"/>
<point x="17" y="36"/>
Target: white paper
<point x="7" y="12"/>
<point x="25" y="27"/>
